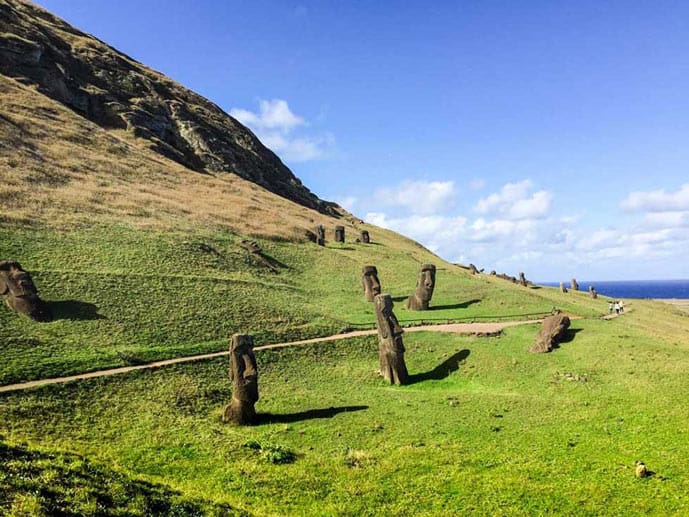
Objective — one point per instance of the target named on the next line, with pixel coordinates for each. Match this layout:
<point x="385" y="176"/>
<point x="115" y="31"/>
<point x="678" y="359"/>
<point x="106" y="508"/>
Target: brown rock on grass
<point x="553" y="331"/>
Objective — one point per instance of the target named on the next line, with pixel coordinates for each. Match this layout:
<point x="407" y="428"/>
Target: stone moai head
<point x="562" y="287"/>
<point x="472" y="269"/>
<point x="20" y="293"/>
<point x="522" y="280"/>
<point x="424" y="289"/>
<point x="320" y="235"/>
<point x="369" y="279"/>
<point x="339" y="234"/>
<point x="592" y="292"/>
<point x="244" y="377"/>
<point x="574" y="286"/>
<point x="365" y="237"/>
<point x="390" y="345"/>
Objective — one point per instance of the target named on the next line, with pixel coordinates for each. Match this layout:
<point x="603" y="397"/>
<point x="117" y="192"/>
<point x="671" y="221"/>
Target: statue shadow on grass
<point x="569" y="335"/>
<point x="288" y="418"/>
<point x="74" y="310"/>
<point x="443" y="370"/>
<point x="462" y="305"/>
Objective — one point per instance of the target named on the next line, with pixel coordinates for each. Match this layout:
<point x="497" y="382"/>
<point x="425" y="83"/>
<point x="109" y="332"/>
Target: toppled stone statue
<point x="562" y="287"/>
<point x="244" y="377"/>
<point x="424" y="289"/>
<point x="320" y="235"/>
<point x="365" y="237"/>
<point x="339" y="233"/>
<point x="592" y="292"/>
<point x="20" y="293"/>
<point x="574" y="285"/>
<point x="390" y="346"/>
<point x="472" y="269"/>
<point x="522" y="280"/>
<point x="369" y="279"/>
<point x="493" y="272"/>
<point x="250" y="246"/>
<point x="552" y="333"/>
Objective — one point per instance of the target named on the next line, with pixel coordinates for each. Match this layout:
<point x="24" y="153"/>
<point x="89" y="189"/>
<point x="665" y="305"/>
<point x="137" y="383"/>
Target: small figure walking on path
<point x="610" y="306"/>
<point x="621" y="306"/>
<point x="617" y="307"/>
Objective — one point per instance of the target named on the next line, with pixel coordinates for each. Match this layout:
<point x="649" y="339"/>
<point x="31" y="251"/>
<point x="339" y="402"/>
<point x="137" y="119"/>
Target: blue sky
<point x="544" y="137"/>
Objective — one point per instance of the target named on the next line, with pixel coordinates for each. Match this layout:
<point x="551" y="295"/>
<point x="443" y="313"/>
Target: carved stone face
<point x="369" y="279"/>
<point x="320" y="235"/>
<point x="243" y="369"/>
<point x="365" y="237"/>
<point x="389" y="328"/>
<point x="20" y="292"/>
<point x="339" y="233"/>
<point x="426" y="282"/>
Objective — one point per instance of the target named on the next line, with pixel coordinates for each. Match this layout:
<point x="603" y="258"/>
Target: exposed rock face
<point x="562" y="287"/>
<point x="574" y="286"/>
<point x="20" y="293"/>
<point x="424" y="289"/>
<point x="116" y="92"/>
<point x="244" y="377"/>
<point x="370" y="282"/>
<point x="339" y="233"/>
<point x="552" y="333"/>
<point x="390" y="346"/>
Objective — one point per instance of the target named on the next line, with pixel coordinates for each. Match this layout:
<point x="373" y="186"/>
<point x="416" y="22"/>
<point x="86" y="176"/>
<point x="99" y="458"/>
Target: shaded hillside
<point x="116" y="92"/>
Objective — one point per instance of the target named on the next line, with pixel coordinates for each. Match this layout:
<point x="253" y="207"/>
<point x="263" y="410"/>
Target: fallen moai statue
<point x="244" y="377"/>
<point x="370" y="282"/>
<point x="553" y="331"/>
<point x="20" y="293"/>
<point x="339" y="233"/>
<point x="425" y="284"/>
<point x="390" y="346"/>
<point x="472" y="269"/>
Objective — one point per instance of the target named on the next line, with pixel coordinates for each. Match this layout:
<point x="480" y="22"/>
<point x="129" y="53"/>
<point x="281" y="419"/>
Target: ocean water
<point x="634" y="288"/>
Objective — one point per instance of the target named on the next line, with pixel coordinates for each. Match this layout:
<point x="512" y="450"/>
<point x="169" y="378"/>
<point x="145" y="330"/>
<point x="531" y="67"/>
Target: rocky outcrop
<point x="114" y="91"/>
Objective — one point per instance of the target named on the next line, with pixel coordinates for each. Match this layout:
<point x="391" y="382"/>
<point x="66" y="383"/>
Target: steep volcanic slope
<point x="116" y="92"/>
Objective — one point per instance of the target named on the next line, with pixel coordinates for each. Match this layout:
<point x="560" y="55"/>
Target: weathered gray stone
<point x="390" y="346"/>
<point x="425" y="284"/>
<point x="553" y="331"/>
<point x="244" y="377"/>
<point x="370" y="282"/>
<point x="20" y="293"/>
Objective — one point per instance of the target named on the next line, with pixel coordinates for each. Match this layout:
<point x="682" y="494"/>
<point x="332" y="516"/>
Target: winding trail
<point x="454" y="328"/>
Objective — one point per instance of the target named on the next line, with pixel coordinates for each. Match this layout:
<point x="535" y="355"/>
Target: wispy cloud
<point x="275" y="124"/>
<point x="419" y="197"/>
<point x="658" y="200"/>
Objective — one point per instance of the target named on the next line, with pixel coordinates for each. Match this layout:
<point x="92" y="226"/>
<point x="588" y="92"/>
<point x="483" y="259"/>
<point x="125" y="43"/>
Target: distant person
<point x="617" y="307"/>
<point x="621" y="306"/>
<point x="611" y="306"/>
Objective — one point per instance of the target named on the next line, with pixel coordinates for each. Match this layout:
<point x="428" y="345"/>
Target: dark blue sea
<point x="634" y="288"/>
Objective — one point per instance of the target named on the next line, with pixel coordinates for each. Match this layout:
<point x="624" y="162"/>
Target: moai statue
<point x="320" y="235"/>
<point x="574" y="285"/>
<point x="244" y="377"/>
<point x="492" y="273"/>
<point x="562" y="287"/>
<point x="20" y="292"/>
<point x="424" y="289"/>
<point x="369" y="279"/>
<point x="339" y="234"/>
<point x="552" y="333"/>
<point x="592" y="292"/>
<point x="522" y="280"/>
<point x="390" y="346"/>
<point x="472" y="269"/>
<point x="365" y="237"/>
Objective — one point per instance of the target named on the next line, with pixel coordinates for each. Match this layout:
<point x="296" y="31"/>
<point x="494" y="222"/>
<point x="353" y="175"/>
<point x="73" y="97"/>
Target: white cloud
<point x="515" y="202"/>
<point x="348" y="203"/>
<point x="274" y="124"/>
<point x="419" y="197"/>
<point x="658" y="200"/>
